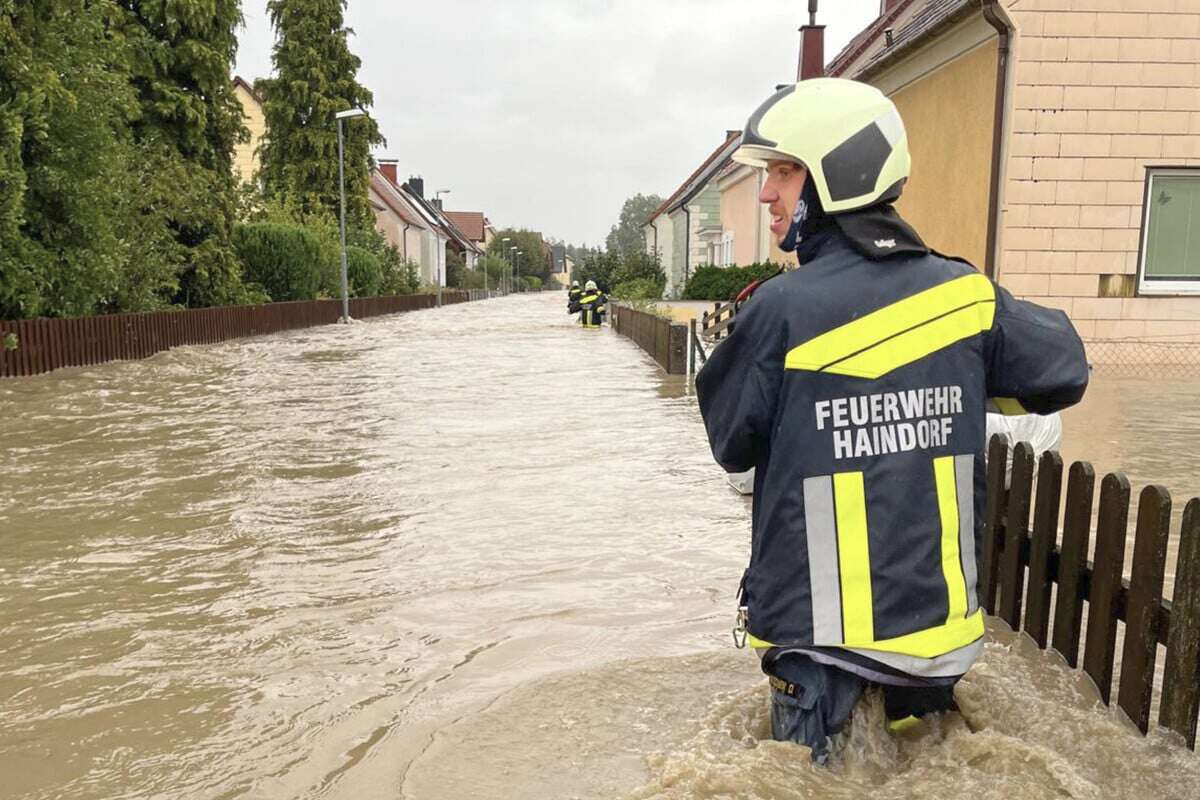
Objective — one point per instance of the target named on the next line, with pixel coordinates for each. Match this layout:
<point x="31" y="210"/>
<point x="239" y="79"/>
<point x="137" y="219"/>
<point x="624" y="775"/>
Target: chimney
<point x="436" y="203"/>
<point x="417" y="184"/>
<point x="388" y="167"/>
<point x="812" y="47"/>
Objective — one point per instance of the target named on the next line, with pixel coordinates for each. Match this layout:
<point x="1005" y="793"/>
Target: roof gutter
<point x="995" y="16"/>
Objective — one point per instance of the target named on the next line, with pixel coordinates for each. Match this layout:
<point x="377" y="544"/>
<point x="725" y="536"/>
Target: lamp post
<point x="341" y="115"/>
<point x="437" y="203"/>
<point x="504" y="248"/>
<point x="518" y="273"/>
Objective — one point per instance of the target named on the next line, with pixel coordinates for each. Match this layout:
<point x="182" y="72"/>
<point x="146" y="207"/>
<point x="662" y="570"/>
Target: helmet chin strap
<point x="806" y="219"/>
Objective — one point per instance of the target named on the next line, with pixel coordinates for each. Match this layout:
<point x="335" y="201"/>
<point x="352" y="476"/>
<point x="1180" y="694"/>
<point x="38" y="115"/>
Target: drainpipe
<point x="995" y="16"/>
<point x="404" y="241"/>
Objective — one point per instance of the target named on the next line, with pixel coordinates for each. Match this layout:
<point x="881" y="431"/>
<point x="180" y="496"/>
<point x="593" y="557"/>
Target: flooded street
<point x="467" y="552"/>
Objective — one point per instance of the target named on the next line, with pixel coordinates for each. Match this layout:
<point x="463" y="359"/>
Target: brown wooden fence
<point x="715" y="324"/>
<point x="34" y="346"/>
<point x="1022" y="564"/>
<point x="664" y="340"/>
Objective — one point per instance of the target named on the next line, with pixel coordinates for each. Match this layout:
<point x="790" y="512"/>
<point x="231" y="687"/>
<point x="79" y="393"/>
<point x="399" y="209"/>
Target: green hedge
<point x="724" y="283"/>
<point x="638" y="289"/>
<point x="364" y="272"/>
<point x="285" y="260"/>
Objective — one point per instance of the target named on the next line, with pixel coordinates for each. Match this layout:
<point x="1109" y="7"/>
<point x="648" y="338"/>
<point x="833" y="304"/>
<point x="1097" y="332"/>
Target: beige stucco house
<point x="745" y="223"/>
<point x="1056" y="144"/>
<point x="396" y="219"/>
<point x="245" y="154"/>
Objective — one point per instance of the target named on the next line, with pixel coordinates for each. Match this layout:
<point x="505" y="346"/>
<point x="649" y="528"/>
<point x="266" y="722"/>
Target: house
<point x="475" y="226"/>
<point x="560" y="271"/>
<point x="425" y="241"/>
<point x="396" y="218"/>
<point x="245" y="154"/>
<point x="1055" y="145"/>
<point x="683" y="230"/>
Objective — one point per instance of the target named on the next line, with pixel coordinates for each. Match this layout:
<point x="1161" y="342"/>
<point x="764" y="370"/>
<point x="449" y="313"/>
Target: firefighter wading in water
<point x="857" y="387"/>
<point x="592" y="306"/>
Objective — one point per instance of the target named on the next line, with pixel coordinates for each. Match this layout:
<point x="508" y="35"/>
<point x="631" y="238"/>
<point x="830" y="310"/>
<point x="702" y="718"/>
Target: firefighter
<point x="573" y="295"/>
<point x="593" y="305"/>
<point x="857" y="387"/>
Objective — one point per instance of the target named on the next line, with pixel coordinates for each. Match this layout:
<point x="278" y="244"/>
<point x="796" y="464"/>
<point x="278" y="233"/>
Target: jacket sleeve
<point x="1035" y="359"/>
<point x="739" y="387"/>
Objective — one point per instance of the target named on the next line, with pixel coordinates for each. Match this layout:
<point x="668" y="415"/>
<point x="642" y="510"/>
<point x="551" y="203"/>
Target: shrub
<point x="638" y="289"/>
<point x="364" y="271"/>
<point x="724" y="283"/>
<point x="400" y="277"/>
<point x="285" y="260"/>
<point x="532" y="283"/>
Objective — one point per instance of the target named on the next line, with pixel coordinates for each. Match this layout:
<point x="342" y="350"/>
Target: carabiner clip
<point x="739" y="629"/>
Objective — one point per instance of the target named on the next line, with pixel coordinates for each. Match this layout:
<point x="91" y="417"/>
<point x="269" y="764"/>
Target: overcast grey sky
<point x="547" y="114"/>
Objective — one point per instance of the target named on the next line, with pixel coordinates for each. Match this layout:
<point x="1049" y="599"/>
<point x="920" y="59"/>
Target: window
<point x="1170" y="256"/>
<point x="727" y="249"/>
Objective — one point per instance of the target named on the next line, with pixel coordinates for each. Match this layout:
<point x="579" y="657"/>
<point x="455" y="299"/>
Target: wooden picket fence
<point x="715" y="324"/>
<point x="1021" y="566"/>
<point x="34" y="346"/>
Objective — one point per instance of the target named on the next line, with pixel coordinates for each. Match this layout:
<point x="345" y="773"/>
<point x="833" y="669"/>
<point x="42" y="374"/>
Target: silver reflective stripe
<point x="964" y="478"/>
<point x="821" y="530"/>
<point x="956" y="662"/>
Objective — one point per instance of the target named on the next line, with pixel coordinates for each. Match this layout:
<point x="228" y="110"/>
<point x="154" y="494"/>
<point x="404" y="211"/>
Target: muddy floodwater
<point x="473" y="552"/>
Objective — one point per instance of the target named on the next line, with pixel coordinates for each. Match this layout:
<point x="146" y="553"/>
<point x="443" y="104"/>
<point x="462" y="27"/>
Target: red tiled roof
<point x="863" y="40"/>
<point x="729" y="137"/>
<point x="469" y="222"/>
<point x="384" y="189"/>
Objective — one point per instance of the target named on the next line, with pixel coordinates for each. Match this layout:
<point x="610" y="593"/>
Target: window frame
<point x="1148" y="286"/>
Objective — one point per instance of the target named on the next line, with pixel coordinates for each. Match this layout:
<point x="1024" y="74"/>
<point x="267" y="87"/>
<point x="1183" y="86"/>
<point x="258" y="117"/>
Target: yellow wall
<point x="245" y="158"/>
<point x="739" y="215"/>
<point x="949" y="117"/>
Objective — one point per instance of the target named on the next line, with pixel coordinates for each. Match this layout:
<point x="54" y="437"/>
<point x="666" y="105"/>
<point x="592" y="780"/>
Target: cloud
<point x="547" y="114"/>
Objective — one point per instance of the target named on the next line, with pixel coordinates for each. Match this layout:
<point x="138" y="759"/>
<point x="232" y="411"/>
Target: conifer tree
<point x="315" y="77"/>
<point x="180" y="58"/>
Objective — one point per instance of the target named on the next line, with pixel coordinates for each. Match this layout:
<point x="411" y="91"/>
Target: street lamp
<point x="441" y="254"/>
<point x="504" y="249"/>
<point x="519" y="253"/>
<point x="341" y="115"/>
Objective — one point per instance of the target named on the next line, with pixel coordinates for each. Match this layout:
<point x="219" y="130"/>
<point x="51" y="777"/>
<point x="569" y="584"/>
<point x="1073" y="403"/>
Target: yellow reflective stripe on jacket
<point x="1008" y="406"/>
<point x="952" y="569"/>
<point x="590" y="298"/>
<point x="929" y="643"/>
<point x="854" y="557"/>
<point x="903" y="332"/>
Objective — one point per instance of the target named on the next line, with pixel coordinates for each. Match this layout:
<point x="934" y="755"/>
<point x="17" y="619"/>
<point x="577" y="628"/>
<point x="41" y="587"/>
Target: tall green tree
<point x="315" y="77"/>
<point x="532" y="260"/>
<point x="181" y="54"/>
<point x="626" y="237"/>
<point x="65" y="157"/>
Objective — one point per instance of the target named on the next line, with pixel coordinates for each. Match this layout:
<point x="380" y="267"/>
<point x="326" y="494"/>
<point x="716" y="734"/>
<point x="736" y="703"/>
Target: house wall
<point x="386" y="222"/>
<point x="675" y="280"/>
<point x="949" y="114"/>
<point x="1101" y="91"/>
<point x="245" y="157"/>
<point x="666" y="243"/>
<point x="740" y="214"/>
